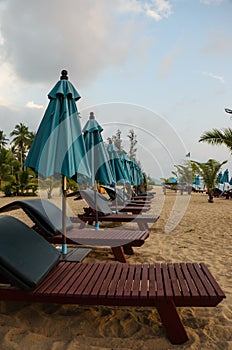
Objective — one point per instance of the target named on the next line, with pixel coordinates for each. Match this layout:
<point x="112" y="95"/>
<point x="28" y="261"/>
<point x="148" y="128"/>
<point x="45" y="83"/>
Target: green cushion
<point x="25" y="256"/>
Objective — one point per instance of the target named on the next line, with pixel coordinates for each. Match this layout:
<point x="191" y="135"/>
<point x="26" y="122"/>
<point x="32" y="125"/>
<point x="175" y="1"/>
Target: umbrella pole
<point x="96" y="206"/>
<point x="64" y="190"/>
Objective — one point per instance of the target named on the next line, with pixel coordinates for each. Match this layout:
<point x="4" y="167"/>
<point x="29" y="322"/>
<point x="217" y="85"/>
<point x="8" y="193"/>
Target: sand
<point x="203" y="235"/>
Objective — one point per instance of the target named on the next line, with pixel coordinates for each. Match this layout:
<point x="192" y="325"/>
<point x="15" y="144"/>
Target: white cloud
<point x="156" y="9"/>
<point x="210" y="2"/>
<point x="33" y="105"/>
<point x="214" y="76"/>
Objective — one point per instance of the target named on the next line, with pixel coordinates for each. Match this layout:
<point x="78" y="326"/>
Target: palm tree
<point x="5" y="164"/>
<point x="185" y="175"/>
<point x="218" y="137"/>
<point x="209" y="172"/>
<point x="3" y="139"/>
<point x="21" y="142"/>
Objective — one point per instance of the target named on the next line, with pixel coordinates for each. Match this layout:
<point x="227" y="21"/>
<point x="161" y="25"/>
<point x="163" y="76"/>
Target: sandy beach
<point x="203" y="235"/>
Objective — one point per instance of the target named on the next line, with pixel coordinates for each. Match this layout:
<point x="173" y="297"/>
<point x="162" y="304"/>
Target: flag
<point x="188" y="155"/>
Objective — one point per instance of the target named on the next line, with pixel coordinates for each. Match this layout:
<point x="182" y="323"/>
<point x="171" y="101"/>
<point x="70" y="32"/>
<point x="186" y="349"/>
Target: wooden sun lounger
<point x="164" y="286"/>
<point x="141" y="220"/>
<point x="47" y="220"/>
<point x="31" y="271"/>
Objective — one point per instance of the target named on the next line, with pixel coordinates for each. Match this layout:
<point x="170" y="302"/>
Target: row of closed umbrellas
<point x="60" y="146"/>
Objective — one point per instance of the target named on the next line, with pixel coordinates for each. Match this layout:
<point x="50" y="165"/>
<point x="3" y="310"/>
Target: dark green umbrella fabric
<point x="126" y="165"/>
<point x="58" y="147"/>
<point x="97" y="155"/>
<point x="116" y="163"/>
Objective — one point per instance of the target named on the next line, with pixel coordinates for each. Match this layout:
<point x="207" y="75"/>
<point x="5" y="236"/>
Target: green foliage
<point x="218" y="137"/>
<point x="133" y="141"/>
<point x="209" y="172"/>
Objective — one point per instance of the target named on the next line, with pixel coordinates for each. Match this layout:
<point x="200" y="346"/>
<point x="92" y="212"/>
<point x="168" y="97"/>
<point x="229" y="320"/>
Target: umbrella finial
<point x="64" y="75"/>
<point x="91" y="115"/>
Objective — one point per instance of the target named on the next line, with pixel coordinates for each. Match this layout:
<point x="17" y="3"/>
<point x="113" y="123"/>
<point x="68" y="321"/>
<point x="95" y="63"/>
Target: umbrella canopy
<point x="196" y="180"/>
<point x="97" y="155"/>
<point x="225" y="177"/>
<point x="58" y="147"/>
<point x="136" y="174"/>
<point x="116" y="163"/>
<point x="126" y="165"/>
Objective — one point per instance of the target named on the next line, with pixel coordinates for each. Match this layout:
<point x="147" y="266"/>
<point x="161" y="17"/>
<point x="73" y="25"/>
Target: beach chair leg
<point x="82" y="224"/>
<point x="118" y="254"/>
<point x="172" y="322"/>
<point x="128" y="249"/>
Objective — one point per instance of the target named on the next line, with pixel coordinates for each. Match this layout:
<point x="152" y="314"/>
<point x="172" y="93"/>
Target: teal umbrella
<point x="97" y="155"/>
<point x="116" y="164"/>
<point x="126" y="165"/>
<point x="225" y="177"/>
<point x="99" y="162"/>
<point x="58" y="147"/>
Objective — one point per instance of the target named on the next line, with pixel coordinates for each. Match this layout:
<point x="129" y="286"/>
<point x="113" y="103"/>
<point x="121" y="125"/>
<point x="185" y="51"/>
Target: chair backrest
<point x="25" y="256"/>
<point x="96" y="201"/>
<point x="46" y="215"/>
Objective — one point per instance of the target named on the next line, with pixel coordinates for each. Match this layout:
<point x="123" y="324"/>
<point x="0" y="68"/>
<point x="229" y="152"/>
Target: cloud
<point x="214" y="76"/>
<point x="210" y="2"/>
<point x="82" y="36"/>
<point x="167" y="62"/>
<point x="33" y="105"/>
<point x="156" y="9"/>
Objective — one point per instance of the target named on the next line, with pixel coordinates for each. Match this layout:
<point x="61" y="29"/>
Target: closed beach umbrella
<point x="126" y="165"/>
<point x="196" y="180"/>
<point x="116" y="164"/>
<point x="58" y="147"/>
<point x="97" y="155"/>
<point x="225" y="176"/>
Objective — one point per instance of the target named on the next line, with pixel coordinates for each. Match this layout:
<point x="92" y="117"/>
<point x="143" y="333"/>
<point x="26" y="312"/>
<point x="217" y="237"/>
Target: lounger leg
<point x="118" y="254"/>
<point x="128" y="249"/>
<point x="172" y="322"/>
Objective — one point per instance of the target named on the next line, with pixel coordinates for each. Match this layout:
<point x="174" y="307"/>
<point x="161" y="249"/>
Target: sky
<point x="162" y="68"/>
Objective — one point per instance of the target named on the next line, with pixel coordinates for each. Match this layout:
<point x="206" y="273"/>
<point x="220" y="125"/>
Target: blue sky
<point x="160" y="67"/>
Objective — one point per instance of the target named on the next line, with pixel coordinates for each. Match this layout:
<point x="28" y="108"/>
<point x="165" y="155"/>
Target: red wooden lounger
<point x="105" y="214"/>
<point x="47" y="221"/>
<point x="31" y="271"/>
<point x="165" y="286"/>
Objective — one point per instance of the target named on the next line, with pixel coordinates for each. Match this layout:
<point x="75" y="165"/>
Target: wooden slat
<point x="129" y="282"/>
<point x="144" y="281"/>
<point x="159" y="280"/>
<point x="200" y="287"/>
<point x="107" y="281"/>
<point x="95" y="282"/>
<point x="188" y="278"/>
<point x="137" y="279"/>
<point x="152" y="282"/>
<point x="181" y="279"/>
<point x="207" y="285"/>
<point x="166" y="279"/>
<point x="112" y="292"/>
<point x="212" y="280"/>
<point x="174" y="281"/>
<point x="122" y="281"/>
<point x="85" y="276"/>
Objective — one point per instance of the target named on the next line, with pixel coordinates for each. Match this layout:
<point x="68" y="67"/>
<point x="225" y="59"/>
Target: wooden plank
<point x="166" y="279"/>
<point x="152" y="282"/>
<point x="129" y="282"/>
<point x="200" y="287"/>
<point x="137" y="279"/>
<point x="85" y="276"/>
<point x="107" y="281"/>
<point x="173" y="281"/>
<point x="159" y="281"/>
<point x="207" y="285"/>
<point x="122" y="281"/>
<point x="212" y="280"/>
<point x="188" y="278"/>
<point x="182" y="282"/>
<point x="144" y="284"/>
<point x="96" y="281"/>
